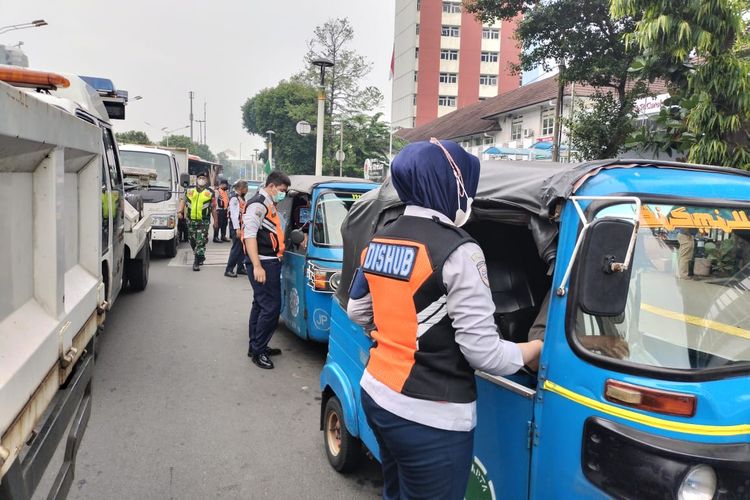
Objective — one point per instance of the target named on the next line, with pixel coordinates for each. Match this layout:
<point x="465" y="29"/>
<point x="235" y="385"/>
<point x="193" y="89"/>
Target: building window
<point x="489" y="57"/>
<point x="416" y="53"/>
<point x="448" y="78"/>
<point x="449" y="55"/>
<point x="417" y="29"/>
<point x="415" y="76"/>
<point x="414" y="99"/>
<point x="516" y="130"/>
<point x="447" y="100"/>
<point x="488" y="141"/>
<point x="548" y="122"/>
<point x="453" y="31"/>
<point x="419" y="5"/>
<point x="491" y="33"/>
<point x="451" y="7"/>
<point x="476" y="140"/>
<point x="488" y="80"/>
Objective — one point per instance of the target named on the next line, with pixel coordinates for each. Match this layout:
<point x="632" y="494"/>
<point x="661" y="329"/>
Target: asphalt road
<point x="180" y="412"/>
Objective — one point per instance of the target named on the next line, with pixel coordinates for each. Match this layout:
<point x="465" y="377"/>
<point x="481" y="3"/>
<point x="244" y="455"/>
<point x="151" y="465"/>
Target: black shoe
<point x="242" y="271"/>
<point x="196" y="265"/>
<point x="263" y="361"/>
<point x="201" y="259"/>
<point x="272" y="351"/>
<point x="225" y="239"/>
<point x="217" y="240"/>
<point x="230" y="274"/>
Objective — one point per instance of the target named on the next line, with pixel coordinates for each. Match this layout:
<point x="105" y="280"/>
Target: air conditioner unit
<point x="527" y="132"/>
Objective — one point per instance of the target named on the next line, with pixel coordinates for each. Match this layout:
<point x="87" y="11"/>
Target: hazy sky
<point x="224" y="50"/>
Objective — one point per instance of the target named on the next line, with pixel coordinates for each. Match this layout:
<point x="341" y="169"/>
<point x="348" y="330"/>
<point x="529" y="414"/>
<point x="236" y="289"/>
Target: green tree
<point x="364" y="137"/>
<point x="590" y="47"/>
<point x="697" y="48"/>
<point x="133" y="137"/>
<point x="345" y="93"/>
<point x="279" y="109"/>
<point x="183" y="141"/>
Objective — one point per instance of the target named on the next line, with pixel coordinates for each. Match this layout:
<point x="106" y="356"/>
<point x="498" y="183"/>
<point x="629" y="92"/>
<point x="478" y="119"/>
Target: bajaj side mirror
<point x="185" y="180"/>
<point x="297" y="237"/>
<point x="602" y="279"/>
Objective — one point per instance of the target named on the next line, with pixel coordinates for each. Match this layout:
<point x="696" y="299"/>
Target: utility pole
<point x="191" y="95"/>
<point x="205" y="125"/>
<point x="558" y="113"/>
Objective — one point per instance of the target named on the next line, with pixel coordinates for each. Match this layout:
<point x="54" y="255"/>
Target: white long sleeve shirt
<point x="234" y="212"/>
<point x="470" y="307"/>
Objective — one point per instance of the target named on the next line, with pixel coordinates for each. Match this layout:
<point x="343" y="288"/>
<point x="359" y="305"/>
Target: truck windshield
<point x="688" y="305"/>
<point x="330" y="211"/>
<point x="153" y="161"/>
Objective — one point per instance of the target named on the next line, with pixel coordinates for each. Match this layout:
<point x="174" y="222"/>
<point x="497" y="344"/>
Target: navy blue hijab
<point x="423" y="176"/>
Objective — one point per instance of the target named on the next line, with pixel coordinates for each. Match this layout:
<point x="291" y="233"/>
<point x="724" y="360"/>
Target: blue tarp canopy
<point x="492" y="151"/>
<point x="546" y="145"/>
<point x="534" y="154"/>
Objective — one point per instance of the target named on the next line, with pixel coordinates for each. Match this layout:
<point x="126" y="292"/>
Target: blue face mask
<point x="279" y="197"/>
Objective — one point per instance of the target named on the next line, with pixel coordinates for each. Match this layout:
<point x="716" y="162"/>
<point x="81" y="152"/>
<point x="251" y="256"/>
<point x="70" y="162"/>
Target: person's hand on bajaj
<point x="423" y="289"/>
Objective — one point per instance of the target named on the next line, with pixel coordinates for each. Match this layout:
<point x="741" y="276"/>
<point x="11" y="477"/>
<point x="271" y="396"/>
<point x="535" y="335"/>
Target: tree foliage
<point x="365" y="137"/>
<point x="591" y="47"/>
<point x="602" y="130"/>
<point x="697" y="48"/>
<point x="279" y="109"/>
<point x="183" y="141"/>
<point x="133" y="137"/>
<point x="345" y="93"/>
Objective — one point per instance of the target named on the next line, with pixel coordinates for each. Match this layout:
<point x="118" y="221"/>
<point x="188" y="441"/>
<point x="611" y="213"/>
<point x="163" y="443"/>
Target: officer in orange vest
<point x="236" y="209"/>
<point x="423" y="292"/>
<point x="222" y="208"/>
<point x="263" y="235"/>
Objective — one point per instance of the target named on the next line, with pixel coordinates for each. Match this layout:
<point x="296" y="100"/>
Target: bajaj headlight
<point x="699" y="484"/>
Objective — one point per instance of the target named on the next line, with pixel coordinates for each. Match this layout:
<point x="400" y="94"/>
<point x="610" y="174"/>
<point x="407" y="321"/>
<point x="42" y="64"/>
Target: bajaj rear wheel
<point x="344" y="451"/>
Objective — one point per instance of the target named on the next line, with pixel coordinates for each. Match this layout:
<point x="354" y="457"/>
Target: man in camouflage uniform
<point x="200" y="203"/>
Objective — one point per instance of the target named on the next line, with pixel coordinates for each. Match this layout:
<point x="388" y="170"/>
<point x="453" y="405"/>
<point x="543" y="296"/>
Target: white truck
<point x="70" y="241"/>
<point x="161" y="200"/>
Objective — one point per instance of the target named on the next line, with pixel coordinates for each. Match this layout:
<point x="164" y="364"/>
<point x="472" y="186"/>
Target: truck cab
<point x="161" y="199"/>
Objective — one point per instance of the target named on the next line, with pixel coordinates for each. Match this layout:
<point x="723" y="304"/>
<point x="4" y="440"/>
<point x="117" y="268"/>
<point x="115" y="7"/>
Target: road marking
<point x="215" y="256"/>
<point x="697" y="321"/>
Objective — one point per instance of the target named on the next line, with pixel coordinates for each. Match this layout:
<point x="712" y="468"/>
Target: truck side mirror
<point x="297" y="237"/>
<point x="603" y="275"/>
<point x="185" y="180"/>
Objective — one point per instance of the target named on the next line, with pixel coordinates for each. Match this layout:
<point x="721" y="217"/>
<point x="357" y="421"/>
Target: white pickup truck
<point x="161" y="199"/>
<point x="71" y="240"/>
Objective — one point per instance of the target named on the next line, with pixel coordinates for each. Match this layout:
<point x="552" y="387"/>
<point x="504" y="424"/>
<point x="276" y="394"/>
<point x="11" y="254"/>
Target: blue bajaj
<point x="637" y="273"/>
<point x="313" y="212"/>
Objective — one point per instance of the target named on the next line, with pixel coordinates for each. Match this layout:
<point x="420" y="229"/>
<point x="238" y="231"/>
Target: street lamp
<point x="270" y="134"/>
<point x="322" y="63"/>
<point x="255" y="164"/>
<point x="33" y="24"/>
<point x="340" y="156"/>
<point x="168" y="132"/>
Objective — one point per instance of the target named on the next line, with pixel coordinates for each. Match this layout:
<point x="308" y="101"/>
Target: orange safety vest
<point x="415" y="351"/>
<point x="270" y="236"/>
<point x="223" y="199"/>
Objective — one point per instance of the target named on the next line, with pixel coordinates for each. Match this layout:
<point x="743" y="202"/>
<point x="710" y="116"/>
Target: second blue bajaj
<point x="643" y="389"/>
<point x="313" y="212"/>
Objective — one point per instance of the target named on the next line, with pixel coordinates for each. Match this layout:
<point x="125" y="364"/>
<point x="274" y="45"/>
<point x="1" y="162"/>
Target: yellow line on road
<point x="697" y="321"/>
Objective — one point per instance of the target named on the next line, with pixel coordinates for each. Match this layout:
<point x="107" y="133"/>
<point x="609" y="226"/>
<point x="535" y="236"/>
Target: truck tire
<point x="343" y="450"/>
<point x="137" y="269"/>
<point x="169" y="247"/>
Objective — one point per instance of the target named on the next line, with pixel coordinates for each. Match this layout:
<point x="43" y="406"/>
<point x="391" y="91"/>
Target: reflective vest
<point x="199" y="204"/>
<point x="222" y="200"/>
<point x="270" y="236"/>
<point x="241" y="201"/>
<point x="415" y="351"/>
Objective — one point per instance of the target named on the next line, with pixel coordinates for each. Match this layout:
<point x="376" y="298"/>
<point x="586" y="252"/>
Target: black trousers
<point x="236" y="254"/>
<point x="264" y="314"/>
<point x="221" y="232"/>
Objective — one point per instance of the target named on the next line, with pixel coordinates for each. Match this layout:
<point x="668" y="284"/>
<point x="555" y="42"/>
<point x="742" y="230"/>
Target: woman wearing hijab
<point x="423" y="291"/>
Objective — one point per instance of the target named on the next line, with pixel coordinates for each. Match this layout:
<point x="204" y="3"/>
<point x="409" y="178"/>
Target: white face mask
<point x="462" y="216"/>
<point x="202" y="182"/>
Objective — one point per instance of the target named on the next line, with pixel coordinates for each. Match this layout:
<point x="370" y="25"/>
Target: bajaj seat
<point x="515" y="307"/>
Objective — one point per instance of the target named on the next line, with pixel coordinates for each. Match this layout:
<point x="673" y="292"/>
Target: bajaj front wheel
<point x="344" y="451"/>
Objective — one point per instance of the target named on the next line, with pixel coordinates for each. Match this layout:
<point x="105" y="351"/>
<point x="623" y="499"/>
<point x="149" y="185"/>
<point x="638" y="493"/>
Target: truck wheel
<point x="169" y="247"/>
<point x="344" y="451"/>
<point x="137" y="269"/>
